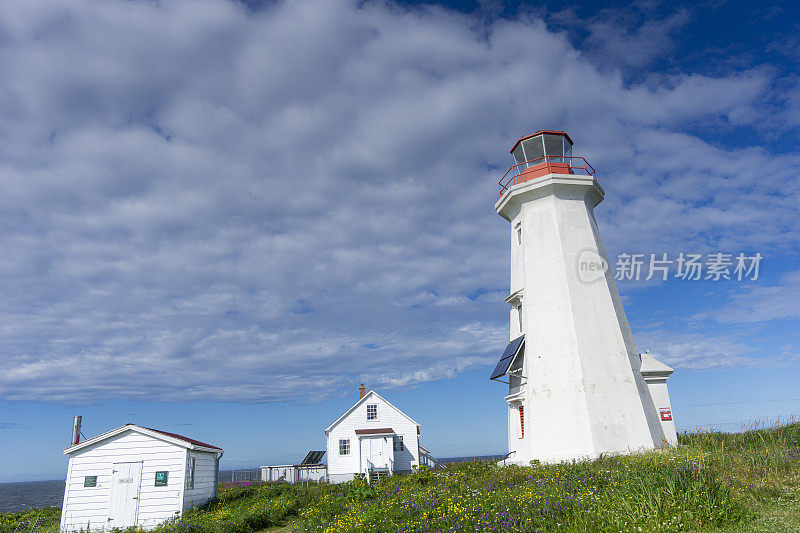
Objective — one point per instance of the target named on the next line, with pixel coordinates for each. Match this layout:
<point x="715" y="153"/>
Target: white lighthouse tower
<point x="572" y="367"/>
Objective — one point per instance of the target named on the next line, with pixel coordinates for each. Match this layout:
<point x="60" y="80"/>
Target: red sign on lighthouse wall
<point x="666" y="413"/>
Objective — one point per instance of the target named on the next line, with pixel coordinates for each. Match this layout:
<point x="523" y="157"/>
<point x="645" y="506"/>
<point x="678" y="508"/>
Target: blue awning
<point x="508" y="356"/>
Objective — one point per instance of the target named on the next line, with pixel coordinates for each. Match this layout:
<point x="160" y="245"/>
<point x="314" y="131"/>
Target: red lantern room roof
<point x="541" y="132"/>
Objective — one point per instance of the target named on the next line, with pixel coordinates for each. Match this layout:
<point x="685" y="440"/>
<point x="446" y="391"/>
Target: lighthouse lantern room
<point x="544" y="152"/>
<point x="533" y="148"/>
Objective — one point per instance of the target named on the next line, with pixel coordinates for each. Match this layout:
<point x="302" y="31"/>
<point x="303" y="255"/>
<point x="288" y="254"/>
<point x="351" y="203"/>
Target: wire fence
<point x="240" y="474"/>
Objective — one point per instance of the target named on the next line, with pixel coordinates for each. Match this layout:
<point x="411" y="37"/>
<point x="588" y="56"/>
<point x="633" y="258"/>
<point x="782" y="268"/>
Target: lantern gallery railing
<point x="549" y="164"/>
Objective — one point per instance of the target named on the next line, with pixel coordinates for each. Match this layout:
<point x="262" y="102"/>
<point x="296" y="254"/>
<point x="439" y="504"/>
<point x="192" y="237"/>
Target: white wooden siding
<point x="90" y="505"/>
<point x="204" y="467"/>
<point x="341" y="468"/>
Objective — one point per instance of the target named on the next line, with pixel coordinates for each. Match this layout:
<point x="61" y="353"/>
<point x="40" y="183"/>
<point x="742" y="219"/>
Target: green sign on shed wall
<point x="161" y="479"/>
<point x="90" y="481"/>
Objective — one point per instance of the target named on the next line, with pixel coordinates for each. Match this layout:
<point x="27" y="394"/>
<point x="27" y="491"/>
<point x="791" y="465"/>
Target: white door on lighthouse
<point x="124" y="505"/>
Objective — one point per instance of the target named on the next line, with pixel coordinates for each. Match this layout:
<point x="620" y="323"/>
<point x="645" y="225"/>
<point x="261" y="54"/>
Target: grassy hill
<point x="741" y="482"/>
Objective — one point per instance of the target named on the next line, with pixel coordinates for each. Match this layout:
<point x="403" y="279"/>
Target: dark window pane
<point x="554" y="145"/>
<point x="517" y="153"/>
<point x="533" y="149"/>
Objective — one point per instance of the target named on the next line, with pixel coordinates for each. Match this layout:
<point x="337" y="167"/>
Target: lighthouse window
<point x="534" y="149"/>
<point x="519" y="155"/>
<point x="519" y="233"/>
<point x="521" y="422"/>
<point x="554" y="146"/>
<point x="519" y="316"/>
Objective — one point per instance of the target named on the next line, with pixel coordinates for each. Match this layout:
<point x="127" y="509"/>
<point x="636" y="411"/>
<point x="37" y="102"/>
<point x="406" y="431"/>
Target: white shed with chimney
<point x="135" y="476"/>
<point x="373" y="438"/>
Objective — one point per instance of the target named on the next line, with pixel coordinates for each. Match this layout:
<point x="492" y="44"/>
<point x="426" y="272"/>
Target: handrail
<point x="518" y="170"/>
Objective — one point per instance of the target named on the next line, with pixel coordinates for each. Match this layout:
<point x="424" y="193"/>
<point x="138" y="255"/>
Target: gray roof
<point x="652" y="366"/>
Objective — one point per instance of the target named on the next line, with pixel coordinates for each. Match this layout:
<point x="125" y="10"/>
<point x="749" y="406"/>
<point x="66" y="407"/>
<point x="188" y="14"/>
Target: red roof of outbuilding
<point x="181" y="437"/>
<point x="107" y="434"/>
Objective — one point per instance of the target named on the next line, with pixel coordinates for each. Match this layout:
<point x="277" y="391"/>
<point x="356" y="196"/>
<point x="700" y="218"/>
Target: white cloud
<point x="242" y="202"/>
<point x="695" y="351"/>
<point x="762" y="302"/>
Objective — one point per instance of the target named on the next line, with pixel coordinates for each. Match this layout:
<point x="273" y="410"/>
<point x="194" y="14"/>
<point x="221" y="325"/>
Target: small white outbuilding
<point x="136" y="476"/>
<point x="655" y="374"/>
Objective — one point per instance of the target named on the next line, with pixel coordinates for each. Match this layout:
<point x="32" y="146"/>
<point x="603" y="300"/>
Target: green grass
<point x="51" y="515"/>
<point x="713" y="482"/>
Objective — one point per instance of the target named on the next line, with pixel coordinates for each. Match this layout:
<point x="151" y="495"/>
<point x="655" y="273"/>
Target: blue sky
<point x="219" y="218"/>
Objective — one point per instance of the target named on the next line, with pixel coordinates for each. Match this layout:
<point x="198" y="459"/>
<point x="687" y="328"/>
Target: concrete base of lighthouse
<point x="577" y="379"/>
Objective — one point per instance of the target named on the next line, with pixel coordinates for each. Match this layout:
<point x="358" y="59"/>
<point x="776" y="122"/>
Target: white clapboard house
<point x="373" y="438"/>
<point x="136" y="476"/>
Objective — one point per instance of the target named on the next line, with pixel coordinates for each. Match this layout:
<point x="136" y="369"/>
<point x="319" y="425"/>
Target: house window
<point x="372" y="411"/>
<point x="191" y="472"/>
<point x="398" y="443"/>
<point x="521" y="422"/>
<point x="344" y="446"/>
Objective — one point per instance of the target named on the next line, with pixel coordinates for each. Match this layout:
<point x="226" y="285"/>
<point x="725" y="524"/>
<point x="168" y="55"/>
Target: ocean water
<point x="27" y="494"/>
